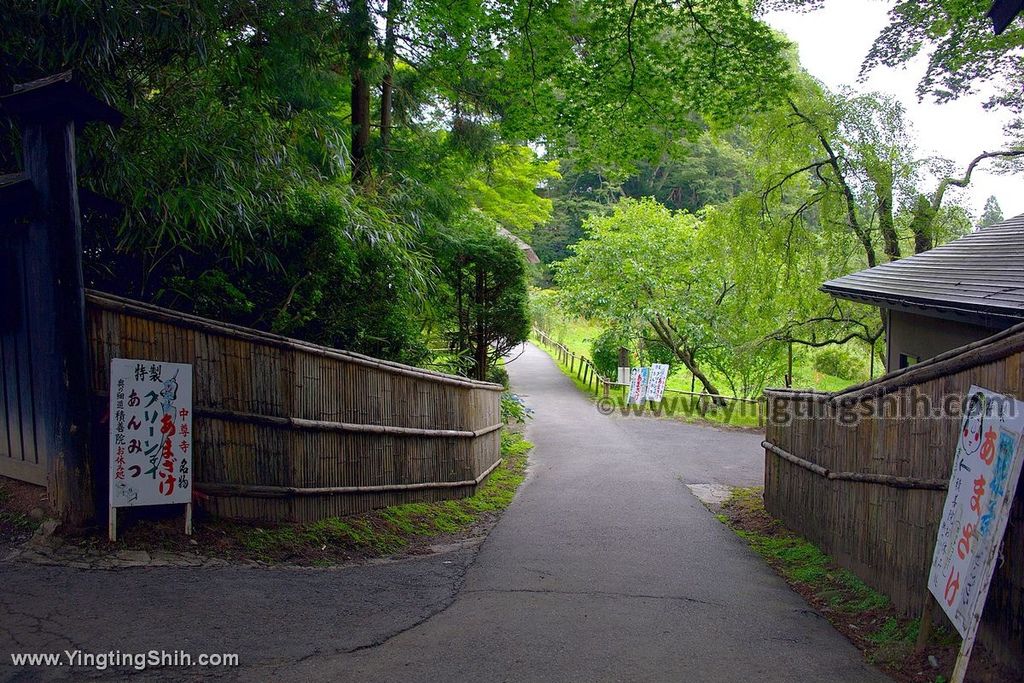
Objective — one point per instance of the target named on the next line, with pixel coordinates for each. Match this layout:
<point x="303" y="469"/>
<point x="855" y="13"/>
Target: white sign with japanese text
<point x="150" y="433"/>
<point x="637" y="385"/>
<point x="656" y="381"/>
<point x="986" y="467"/>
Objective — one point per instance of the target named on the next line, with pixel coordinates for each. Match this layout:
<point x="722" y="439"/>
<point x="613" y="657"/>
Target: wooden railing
<point x="862" y="473"/>
<point x="580" y="365"/>
<point x="287" y="430"/>
<point x="586" y="372"/>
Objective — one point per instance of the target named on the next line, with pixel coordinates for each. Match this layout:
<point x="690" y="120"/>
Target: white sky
<point x="833" y="42"/>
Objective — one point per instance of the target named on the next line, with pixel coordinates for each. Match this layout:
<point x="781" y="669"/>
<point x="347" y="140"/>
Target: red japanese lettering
<point x="988" y="447"/>
<point x="963" y="546"/>
<point x="167" y="483"/>
<point x="979" y="491"/>
<point x="952" y="587"/>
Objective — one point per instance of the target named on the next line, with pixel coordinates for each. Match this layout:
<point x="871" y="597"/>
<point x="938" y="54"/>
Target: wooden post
<point x="46" y="112"/>
<point x="871" y="371"/>
<point x="789" y="372"/>
<point x="924" y="631"/>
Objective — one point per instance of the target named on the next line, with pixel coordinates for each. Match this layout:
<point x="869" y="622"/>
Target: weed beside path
<point x="862" y="614"/>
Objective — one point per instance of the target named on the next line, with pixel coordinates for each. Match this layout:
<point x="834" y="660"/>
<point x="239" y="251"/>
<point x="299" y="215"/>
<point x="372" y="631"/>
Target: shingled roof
<point x="979" y="277"/>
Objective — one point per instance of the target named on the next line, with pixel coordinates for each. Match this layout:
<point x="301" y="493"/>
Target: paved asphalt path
<point x="604" y="568"/>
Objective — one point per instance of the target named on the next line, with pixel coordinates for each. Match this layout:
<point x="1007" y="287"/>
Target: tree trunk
<point x="359" y="61"/>
<point x="861" y="231"/>
<point x="387" y="84"/>
<point x="679" y="348"/>
<point x="883" y="191"/>
<point x="685" y="354"/>
<point x="462" y="333"/>
<point x="921" y="224"/>
<point x="481" y="325"/>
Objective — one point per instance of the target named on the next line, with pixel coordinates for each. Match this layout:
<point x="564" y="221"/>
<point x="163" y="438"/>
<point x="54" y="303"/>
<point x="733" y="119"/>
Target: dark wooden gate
<point x="44" y="402"/>
<point x="20" y="456"/>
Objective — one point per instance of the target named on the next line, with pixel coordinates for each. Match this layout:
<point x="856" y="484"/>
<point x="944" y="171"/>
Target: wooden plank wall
<point x="883" y="533"/>
<point x="248" y="385"/>
<point x="20" y="457"/>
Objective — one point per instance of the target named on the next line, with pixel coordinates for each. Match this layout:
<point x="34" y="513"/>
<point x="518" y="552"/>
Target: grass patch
<point x="577" y="334"/>
<point x="17" y="500"/>
<point x="861" y="613"/>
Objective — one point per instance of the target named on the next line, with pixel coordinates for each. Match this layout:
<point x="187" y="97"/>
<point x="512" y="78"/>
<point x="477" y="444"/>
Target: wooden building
<point x="946" y="297"/>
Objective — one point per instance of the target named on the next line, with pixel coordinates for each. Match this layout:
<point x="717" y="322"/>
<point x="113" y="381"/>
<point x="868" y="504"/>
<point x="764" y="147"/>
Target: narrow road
<point x="605" y="567"/>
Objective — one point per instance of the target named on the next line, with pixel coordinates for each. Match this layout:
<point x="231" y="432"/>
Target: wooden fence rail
<point x="580" y="365"/>
<point x="287" y="430"/>
<point x="862" y="473"/>
<point x="586" y="371"/>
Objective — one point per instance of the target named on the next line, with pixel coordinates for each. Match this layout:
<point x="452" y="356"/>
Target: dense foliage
<point x="722" y="264"/>
<point x="339" y="171"/>
<point x="311" y="168"/>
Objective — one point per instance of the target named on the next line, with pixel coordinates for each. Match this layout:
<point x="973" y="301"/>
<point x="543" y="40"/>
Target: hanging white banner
<point x="656" y="382"/>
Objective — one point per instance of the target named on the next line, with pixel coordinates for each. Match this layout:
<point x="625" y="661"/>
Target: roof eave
<point x="986" y="317"/>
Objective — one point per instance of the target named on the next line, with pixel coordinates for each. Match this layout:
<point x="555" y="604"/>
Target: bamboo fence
<point x="863" y="474"/>
<point x="291" y="431"/>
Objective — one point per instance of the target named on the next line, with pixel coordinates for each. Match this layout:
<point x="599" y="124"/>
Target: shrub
<point x="513" y="409"/>
<point x="838" y="362"/>
<point x="498" y="374"/>
<point x="604" y="351"/>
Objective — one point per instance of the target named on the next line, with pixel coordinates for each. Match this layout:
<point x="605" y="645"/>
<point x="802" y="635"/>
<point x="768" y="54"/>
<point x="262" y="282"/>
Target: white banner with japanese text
<point x="986" y="467"/>
<point x="656" y="381"/>
<point x="637" y="385"/>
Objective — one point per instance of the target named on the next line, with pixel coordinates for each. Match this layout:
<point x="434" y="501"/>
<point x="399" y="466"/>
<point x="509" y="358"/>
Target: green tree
<point x="961" y="49"/>
<point x="575" y="196"/>
<point x="640" y="271"/>
<point x="485" y="295"/>
<point x="991" y="214"/>
<point x="506" y="189"/>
